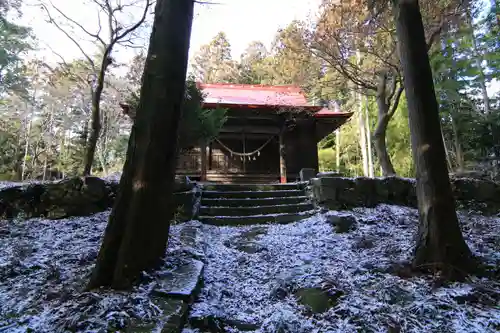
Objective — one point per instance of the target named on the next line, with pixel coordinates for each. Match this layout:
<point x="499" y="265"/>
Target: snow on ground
<point x="6" y="184"/>
<point x="44" y="267"/>
<point x="257" y="288"/>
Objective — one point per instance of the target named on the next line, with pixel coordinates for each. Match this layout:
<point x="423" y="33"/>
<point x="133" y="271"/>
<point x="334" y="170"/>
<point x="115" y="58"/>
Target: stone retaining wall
<point x="340" y="192"/>
<point x="78" y="197"/>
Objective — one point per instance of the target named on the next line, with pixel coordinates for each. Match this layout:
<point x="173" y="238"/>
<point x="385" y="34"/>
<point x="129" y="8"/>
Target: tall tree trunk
<point x="362" y="139"/>
<point x="458" y="147"/>
<point x="26" y="146"/>
<point x="385" y="113"/>
<point x="362" y="125"/>
<point x="136" y="236"/>
<point x="379" y="137"/>
<point x="440" y="244"/>
<point x="337" y="149"/>
<point x="95" y="117"/>
<point x="450" y="166"/>
<point x="478" y="59"/>
<point x="48" y="146"/>
<point x="371" y="171"/>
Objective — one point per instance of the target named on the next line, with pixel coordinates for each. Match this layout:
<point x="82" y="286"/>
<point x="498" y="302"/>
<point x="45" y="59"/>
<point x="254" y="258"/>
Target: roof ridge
<point x="288" y="87"/>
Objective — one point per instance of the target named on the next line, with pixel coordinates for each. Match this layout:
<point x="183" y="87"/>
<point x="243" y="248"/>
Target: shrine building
<point x="271" y="133"/>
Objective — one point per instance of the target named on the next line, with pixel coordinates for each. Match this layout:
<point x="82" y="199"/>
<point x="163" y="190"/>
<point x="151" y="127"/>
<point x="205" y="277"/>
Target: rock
<point x="242" y="325"/>
<point x="364" y="242"/>
<point x="306" y="174"/>
<point x="171" y="319"/>
<point x="250" y="247"/>
<point x="210" y="323"/>
<point x="174" y="313"/>
<point x="182" y="184"/>
<point x="475" y="189"/>
<point x="184" y="282"/>
<point x="328" y="174"/>
<point x="19" y="200"/>
<point x="75" y="197"/>
<point x="394" y="294"/>
<point x="184" y="202"/>
<point x="214" y="324"/>
<point x="245" y="242"/>
<point x="339" y="193"/>
<point x="286" y="283"/>
<point x="317" y="299"/>
<point x="366" y="191"/>
<point x="191" y="240"/>
<point x="397" y="189"/>
<point x="342" y="223"/>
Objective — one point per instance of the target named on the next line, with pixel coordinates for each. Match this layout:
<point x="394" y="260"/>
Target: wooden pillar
<point x="210" y="155"/>
<point x="244" y="152"/>
<point x="282" y="157"/>
<point x="203" y="157"/>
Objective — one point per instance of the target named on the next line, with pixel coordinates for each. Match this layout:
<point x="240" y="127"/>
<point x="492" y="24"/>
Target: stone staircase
<point x="246" y="204"/>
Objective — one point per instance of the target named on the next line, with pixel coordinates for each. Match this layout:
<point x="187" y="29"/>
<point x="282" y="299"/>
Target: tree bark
<point x="478" y="59"/>
<point x="371" y="171"/>
<point x="362" y="125"/>
<point x="381" y="147"/>
<point x="95" y="117"/>
<point x="136" y="236"/>
<point x="26" y="147"/>
<point x="458" y="147"/>
<point x="385" y="113"/>
<point x="440" y="244"/>
<point x="450" y="166"/>
<point x="337" y="149"/>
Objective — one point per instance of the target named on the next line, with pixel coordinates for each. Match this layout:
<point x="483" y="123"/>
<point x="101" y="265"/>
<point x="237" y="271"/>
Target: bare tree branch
<point x="52" y="21"/>
<point x="395" y="103"/>
<point x="139" y="22"/>
<point x="93" y="35"/>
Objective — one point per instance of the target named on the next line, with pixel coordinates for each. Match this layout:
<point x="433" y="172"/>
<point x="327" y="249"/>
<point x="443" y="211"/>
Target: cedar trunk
<point x="440" y="244"/>
<point x="136" y="236"/>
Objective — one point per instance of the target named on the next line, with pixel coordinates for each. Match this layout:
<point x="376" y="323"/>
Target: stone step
<point x="252" y="202"/>
<point x="255" y="219"/>
<point x="253" y="187"/>
<point x="253" y="194"/>
<point x="242" y="178"/>
<point x="256" y="210"/>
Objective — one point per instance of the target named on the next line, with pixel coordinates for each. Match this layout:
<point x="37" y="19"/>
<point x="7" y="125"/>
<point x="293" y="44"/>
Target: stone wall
<point x="339" y="192"/>
<point x="78" y="197"/>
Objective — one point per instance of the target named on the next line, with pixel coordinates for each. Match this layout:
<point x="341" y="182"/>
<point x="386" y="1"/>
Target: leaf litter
<point x="44" y="266"/>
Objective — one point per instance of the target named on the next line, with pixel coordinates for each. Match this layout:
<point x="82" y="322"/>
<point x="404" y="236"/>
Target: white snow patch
<point x="44" y="268"/>
<point x="242" y="286"/>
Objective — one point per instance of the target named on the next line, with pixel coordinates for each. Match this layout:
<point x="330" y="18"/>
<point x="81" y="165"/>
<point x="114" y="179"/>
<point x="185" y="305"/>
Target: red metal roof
<point x="257" y="96"/>
<point x="253" y="94"/>
<point x="327" y="113"/>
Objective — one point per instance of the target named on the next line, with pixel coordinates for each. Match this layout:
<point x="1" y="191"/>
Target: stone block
<point x="184" y="282"/>
<point x="307" y="174"/>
